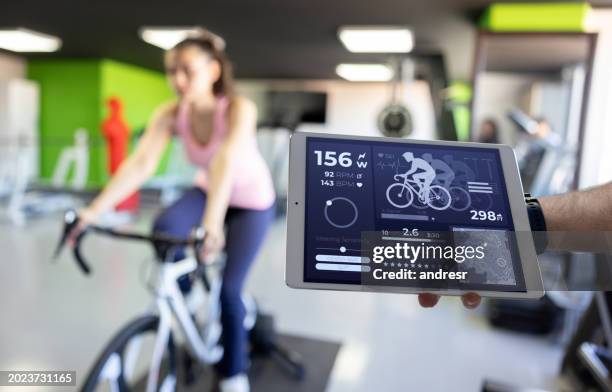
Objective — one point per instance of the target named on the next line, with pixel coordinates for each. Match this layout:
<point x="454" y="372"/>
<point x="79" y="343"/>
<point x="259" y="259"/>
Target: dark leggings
<point x="246" y="231"/>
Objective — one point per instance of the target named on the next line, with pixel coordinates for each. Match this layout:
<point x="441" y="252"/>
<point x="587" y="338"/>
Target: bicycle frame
<point x="408" y="185"/>
<point x="174" y="317"/>
<point x="171" y="306"/>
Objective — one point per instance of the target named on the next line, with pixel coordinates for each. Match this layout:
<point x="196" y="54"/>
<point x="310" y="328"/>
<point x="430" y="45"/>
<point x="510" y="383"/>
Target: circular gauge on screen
<point x="340" y="212"/>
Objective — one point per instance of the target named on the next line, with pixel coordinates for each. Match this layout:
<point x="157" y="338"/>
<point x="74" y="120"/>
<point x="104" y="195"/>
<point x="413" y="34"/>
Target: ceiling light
<point x="166" y="37"/>
<point x="365" y="72"/>
<point x="376" y="39"/>
<point x="24" y="40"/>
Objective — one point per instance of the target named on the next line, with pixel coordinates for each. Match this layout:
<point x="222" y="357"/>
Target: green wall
<point x="141" y="90"/>
<point x="69" y="100"/>
<point x="74" y="94"/>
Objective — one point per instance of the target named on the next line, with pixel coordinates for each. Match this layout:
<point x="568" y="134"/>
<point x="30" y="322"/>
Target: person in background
<point x="233" y="187"/>
<point x="489" y="132"/>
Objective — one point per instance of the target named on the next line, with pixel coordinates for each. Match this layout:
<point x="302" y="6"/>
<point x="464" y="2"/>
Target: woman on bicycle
<point x="233" y="187"/>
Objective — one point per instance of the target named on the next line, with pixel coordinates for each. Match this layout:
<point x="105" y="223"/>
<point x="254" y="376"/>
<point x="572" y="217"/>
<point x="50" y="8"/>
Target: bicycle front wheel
<point x="438" y="198"/>
<point x="124" y="363"/>
<point x="399" y="195"/>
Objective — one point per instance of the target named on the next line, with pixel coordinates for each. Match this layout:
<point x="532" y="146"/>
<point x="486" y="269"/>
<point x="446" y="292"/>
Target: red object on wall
<point x="117" y="134"/>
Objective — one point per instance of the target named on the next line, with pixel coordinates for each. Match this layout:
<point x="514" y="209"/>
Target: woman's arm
<point x="138" y="167"/>
<point x="242" y="126"/>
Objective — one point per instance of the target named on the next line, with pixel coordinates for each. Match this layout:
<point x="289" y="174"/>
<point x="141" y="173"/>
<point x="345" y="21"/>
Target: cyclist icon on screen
<point x="444" y="174"/>
<point x="421" y="171"/>
<point x="417" y="181"/>
<point x="463" y="172"/>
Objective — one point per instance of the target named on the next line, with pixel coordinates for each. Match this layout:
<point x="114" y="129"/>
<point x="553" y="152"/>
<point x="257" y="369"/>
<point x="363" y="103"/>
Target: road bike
<point x="402" y="194"/>
<point x="148" y="344"/>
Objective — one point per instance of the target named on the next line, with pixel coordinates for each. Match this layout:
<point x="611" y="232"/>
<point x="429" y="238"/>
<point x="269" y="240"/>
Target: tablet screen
<point x="377" y="210"/>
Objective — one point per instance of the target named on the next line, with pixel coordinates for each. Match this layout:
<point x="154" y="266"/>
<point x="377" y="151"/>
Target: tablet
<point x="408" y="216"/>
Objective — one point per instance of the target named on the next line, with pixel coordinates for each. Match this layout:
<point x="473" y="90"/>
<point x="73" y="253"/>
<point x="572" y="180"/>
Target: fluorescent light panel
<point x="28" y="41"/>
<point x="365" y="72"/>
<point x="166" y="37"/>
<point x="376" y="39"/>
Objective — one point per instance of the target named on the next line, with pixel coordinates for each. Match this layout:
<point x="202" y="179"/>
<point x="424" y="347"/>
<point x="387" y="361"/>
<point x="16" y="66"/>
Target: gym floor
<point x="56" y="318"/>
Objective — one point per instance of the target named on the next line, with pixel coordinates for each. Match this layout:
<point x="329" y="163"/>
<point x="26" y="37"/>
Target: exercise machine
<point x="15" y="177"/>
<point x="547" y="165"/>
<point x="149" y="343"/>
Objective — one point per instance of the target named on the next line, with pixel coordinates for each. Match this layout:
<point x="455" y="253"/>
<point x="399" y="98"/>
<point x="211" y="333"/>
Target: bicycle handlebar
<point x="71" y="221"/>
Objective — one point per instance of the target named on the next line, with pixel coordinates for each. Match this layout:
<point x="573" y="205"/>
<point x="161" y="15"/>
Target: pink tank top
<point x="252" y="186"/>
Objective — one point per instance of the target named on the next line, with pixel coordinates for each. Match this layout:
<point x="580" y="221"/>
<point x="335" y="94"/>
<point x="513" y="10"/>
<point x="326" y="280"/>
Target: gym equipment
<point x="535" y="317"/>
<point x="547" y="165"/>
<point x="597" y="359"/>
<point x="14" y="169"/>
<point x="15" y="165"/>
<point x="75" y="157"/>
<point x="173" y="315"/>
<point x="588" y="356"/>
<point x="395" y="119"/>
<point x="587" y="363"/>
<point x="264" y="342"/>
<point x="19" y="115"/>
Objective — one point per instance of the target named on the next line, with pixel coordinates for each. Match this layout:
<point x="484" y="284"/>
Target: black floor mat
<point x="266" y="375"/>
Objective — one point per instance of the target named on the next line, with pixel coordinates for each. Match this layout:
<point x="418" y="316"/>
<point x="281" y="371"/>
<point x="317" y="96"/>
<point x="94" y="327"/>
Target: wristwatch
<point x="537" y="223"/>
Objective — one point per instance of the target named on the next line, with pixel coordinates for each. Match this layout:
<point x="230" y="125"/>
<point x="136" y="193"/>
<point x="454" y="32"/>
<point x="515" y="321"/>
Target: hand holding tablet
<point x="404" y="216"/>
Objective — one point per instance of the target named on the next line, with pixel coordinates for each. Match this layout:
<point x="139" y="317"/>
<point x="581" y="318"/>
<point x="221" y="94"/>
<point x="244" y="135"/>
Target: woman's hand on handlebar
<point x="86" y="217"/>
<point x="214" y="242"/>
<point x="470" y="300"/>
